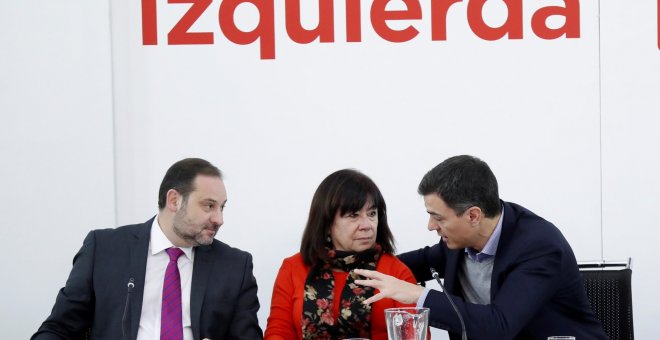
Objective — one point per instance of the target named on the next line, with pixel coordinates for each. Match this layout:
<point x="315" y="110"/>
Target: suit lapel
<point x="201" y="270"/>
<point x="508" y="226"/>
<point x="451" y="273"/>
<point x="138" y="248"/>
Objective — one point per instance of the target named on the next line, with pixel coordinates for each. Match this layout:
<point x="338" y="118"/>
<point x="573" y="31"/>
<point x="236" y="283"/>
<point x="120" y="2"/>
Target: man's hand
<point x="389" y="287"/>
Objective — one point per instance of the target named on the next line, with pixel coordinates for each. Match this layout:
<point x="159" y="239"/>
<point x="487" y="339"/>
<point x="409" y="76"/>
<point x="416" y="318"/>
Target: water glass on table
<point x="409" y="323"/>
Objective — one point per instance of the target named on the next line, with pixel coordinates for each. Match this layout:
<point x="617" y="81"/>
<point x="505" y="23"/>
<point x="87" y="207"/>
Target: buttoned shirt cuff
<point x="422" y="298"/>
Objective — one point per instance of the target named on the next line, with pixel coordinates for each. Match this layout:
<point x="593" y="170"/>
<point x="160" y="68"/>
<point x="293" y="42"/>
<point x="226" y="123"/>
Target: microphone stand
<point x="436" y="276"/>
<point x="125" y="322"/>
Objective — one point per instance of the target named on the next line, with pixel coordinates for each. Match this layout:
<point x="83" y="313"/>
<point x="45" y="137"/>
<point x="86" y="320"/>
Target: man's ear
<point x="475" y="215"/>
<point x="173" y="200"/>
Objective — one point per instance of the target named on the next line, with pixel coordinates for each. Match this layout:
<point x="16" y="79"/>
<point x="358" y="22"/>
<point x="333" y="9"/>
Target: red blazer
<point x="286" y="305"/>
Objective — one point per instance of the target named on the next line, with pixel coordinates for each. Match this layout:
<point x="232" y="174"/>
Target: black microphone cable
<point x="436" y="276"/>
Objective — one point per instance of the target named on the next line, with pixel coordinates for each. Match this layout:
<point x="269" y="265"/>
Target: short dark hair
<point x="463" y="182"/>
<point x="180" y="177"/>
<point x="343" y="191"/>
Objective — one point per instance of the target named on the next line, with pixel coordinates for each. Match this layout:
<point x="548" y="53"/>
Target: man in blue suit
<point x="511" y="274"/>
<point x="168" y="278"/>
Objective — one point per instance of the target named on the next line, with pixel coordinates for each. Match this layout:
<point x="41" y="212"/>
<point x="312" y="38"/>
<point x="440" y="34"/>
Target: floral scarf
<point x="354" y="319"/>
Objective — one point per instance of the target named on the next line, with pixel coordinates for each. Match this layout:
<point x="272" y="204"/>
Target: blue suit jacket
<point x="536" y="289"/>
<point x="223" y="301"/>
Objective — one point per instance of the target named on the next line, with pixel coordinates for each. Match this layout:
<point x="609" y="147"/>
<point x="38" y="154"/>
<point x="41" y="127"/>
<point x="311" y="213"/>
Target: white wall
<point x="56" y="144"/>
<point x="631" y="148"/>
<point x="547" y="115"/>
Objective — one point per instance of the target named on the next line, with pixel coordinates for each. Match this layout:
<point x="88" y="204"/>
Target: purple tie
<point x="171" y="324"/>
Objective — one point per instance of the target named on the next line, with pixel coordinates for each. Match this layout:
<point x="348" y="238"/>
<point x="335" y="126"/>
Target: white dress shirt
<point x="157" y="261"/>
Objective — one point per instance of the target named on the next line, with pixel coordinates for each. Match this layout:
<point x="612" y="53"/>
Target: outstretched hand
<point x="389" y="287"/>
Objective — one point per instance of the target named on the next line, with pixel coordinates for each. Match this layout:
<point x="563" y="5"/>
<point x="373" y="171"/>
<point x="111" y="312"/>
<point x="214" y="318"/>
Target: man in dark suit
<point x="126" y="284"/>
<point x="511" y="274"/>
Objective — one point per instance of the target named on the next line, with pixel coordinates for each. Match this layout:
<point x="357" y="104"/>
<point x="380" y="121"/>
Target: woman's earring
<point x="328" y="239"/>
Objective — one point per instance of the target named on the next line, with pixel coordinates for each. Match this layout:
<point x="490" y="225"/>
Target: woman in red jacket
<point x="315" y="296"/>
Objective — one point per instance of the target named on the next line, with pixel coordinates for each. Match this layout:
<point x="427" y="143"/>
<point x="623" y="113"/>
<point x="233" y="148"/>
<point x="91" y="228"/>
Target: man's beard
<point x="180" y="224"/>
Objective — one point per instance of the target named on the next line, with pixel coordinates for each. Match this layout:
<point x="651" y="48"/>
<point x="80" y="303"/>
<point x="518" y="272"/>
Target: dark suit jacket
<point x="223" y="301"/>
<point x="536" y="290"/>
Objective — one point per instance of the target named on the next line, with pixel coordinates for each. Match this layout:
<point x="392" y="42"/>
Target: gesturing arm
<point x="529" y="282"/>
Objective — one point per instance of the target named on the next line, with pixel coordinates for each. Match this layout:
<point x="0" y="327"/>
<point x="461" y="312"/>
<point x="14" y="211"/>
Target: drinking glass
<point x="409" y="323"/>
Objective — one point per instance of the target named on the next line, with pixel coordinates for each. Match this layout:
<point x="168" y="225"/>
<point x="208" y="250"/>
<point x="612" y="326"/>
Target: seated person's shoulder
<point x="220" y="248"/>
<point x="117" y="234"/>
<point x="391" y="265"/>
<point x="294" y="261"/>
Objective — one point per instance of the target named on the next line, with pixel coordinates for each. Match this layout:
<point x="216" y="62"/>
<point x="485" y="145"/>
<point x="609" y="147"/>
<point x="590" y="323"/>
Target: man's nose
<point x="431" y="225"/>
<point x="217" y="218"/>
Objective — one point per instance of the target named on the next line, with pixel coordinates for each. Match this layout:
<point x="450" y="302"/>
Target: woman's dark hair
<point x="181" y="175"/>
<point x="344" y="191"/>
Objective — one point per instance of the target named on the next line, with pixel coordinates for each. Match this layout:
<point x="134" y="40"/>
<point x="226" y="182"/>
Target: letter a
<point x="571" y="27"/>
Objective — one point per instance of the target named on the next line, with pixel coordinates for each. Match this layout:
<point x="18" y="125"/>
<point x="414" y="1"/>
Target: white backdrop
<point x="631" y="148"/>
<point x="56" y="144"/>
<point x="567" y="125"/>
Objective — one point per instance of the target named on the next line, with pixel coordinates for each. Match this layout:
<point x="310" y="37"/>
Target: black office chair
<point x="608" y="288"/>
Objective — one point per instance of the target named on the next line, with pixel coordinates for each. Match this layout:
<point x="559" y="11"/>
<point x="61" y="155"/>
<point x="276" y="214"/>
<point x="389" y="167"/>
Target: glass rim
<point x="394" y="309"/>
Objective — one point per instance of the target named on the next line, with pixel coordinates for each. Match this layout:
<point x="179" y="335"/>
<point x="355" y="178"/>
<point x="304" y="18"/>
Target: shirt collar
<point x="491" y="245"/>
<point x="159" y="241"/>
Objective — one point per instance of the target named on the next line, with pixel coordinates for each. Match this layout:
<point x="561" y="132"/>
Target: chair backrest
<point x="608" y="287"/>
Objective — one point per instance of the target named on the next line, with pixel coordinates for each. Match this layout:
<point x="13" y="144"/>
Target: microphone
<point x="436" y="276"/>
<point x="124" y="319"/>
